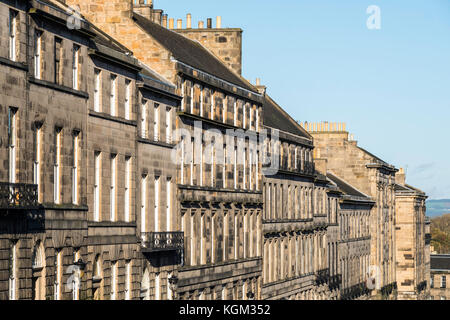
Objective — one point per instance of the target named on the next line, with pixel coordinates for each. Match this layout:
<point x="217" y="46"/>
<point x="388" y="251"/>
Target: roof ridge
<point x="289" y="117"/>
<point x="347" y="183"/>
<point x="141" y="21"/>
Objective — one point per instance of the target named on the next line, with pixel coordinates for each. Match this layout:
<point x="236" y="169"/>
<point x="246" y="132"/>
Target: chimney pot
<point x="164" y="21"/>
<point x="209" y="23"/>
<point x="258" y="81"/>
<point x="219" y="22"/>
<point x="179" y="24"/>
<point x="188" y="21"/>
<point x="171" y="23"/>
<point x="201" y="24"/>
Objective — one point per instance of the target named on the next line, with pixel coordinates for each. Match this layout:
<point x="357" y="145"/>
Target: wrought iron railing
<point x="18" y="196"/>
<point x="421" y="286"/>
<point x="335" y="282"/>
<point x="388" y="289"/>
<point x="162" y="241"/>
<point x="354" y="292"/>
<point x="322" y="276"/>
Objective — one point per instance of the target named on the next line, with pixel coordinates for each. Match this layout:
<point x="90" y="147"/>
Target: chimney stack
<point x="219" y="22"/>
<point x="209" y="23"/>
<point x="171" y="22"/>
<point x="164" y="20"/>
<point x="179" y="24"/>
<point x="188" y="21"/>
<point x="400" y="177"/>
<point x="157" y="16"/>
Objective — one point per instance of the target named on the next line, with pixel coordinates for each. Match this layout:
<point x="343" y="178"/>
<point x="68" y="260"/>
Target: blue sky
<point x="320" y="62"/>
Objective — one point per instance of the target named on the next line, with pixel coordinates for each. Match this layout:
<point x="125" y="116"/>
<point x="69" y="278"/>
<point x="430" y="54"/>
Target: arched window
<point x="38" y="266"/>
<point x="145" y="285"/>
<point x="97" y="278"/>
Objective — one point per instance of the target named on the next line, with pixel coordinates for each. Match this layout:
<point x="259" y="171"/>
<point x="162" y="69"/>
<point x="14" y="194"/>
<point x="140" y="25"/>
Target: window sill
<point x="109" y="117"/>
<point x="58" y="87"/>
<point x="13" y="64"/>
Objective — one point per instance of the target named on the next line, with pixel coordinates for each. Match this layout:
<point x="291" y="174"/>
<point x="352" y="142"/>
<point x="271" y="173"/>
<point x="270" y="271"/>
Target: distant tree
<point x="440" y="234"/>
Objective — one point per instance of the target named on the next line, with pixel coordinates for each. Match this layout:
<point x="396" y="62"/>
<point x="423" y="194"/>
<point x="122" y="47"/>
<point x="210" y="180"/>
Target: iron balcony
<point x="162" y="241"/>
<point x="18" y="196"/>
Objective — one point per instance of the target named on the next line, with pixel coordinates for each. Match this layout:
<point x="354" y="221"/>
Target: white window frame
<point x="113" y="188"/>
<point x="250" y="177"/>
<point x="13" y="34"/>
<point x="235" y="112"/>
<point x="37" y="53"/>
<point x="192" y="162"/>
<point x="257" y="171"/>
<point x="76" y="280"/>
<point x="113" y="96"/>
<point x="128" y="276"/>
<point x="157" y="202"/>
<point x="224" y="110"/>
<point x="212" y="104"/>
<point x="236" y="239"/>
<point x="244" y="178"/>
<point x="202" y="147"/>
<point x="168" y="125"/>
<point x="235" y="169"/>
<point x="144" y="122"/>
<point x="97" y="185"/>
<point x="213" y="147"/>
<point x="114" y="280"/>
<point x="127" y="193"/>
<point x="58" y="277"/>
<point x="37" y="160"/>
<point x="75" y="168"/>
<point x="156" y="122"/>
<point x="169" y="290"/>
<point x="12" y="288"/>
<point x="201" y="100"/>
<point x="75" y="66"/>
<point x="202" y="239"/>
<point x="224" y="168"/>
<point x="12" y="123"/>
<point x="143" y="204"/>
<point x="192" y="233"/>
<point x="244" y="119"/>
<point x="157" y="286"/>
<point x="192" y="98"/>
<point x="57" y="167"/>
<point x="127" y="103"/>
<point x="169" y="204"/>
<point x="97" y="89"/>
<point x="183" y="102"/>
<point x="182" y="160"/>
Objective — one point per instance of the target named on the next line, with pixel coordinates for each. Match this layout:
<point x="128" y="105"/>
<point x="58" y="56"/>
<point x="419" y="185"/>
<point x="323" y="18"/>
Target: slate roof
<point x="346" y="187"/>
<point x="276" y="117"/>
<point x="191" y="52"/>
<point x="440" y="262"/>
<point x="408" y="188"/>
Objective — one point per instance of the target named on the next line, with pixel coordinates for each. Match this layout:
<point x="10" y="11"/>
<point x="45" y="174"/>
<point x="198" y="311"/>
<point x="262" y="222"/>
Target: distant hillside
<point x="436" y="208"/>
<point x="440" y="233"/>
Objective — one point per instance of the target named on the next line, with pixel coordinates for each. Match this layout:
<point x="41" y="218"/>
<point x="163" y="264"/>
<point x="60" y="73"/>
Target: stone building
<point x="412" y="255"/>
<point x="220" y="201"/>
<point x="134" y="151"/>
<point x="71" y="175"/>
<point x="373" y="177"/>
<point x="350" y="227"/>
<point x="440" y="273"/>
<point x="294" y="225"/>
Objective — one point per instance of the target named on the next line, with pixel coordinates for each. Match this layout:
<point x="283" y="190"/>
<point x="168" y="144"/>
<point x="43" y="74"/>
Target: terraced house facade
<point x="137" y="163"/>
